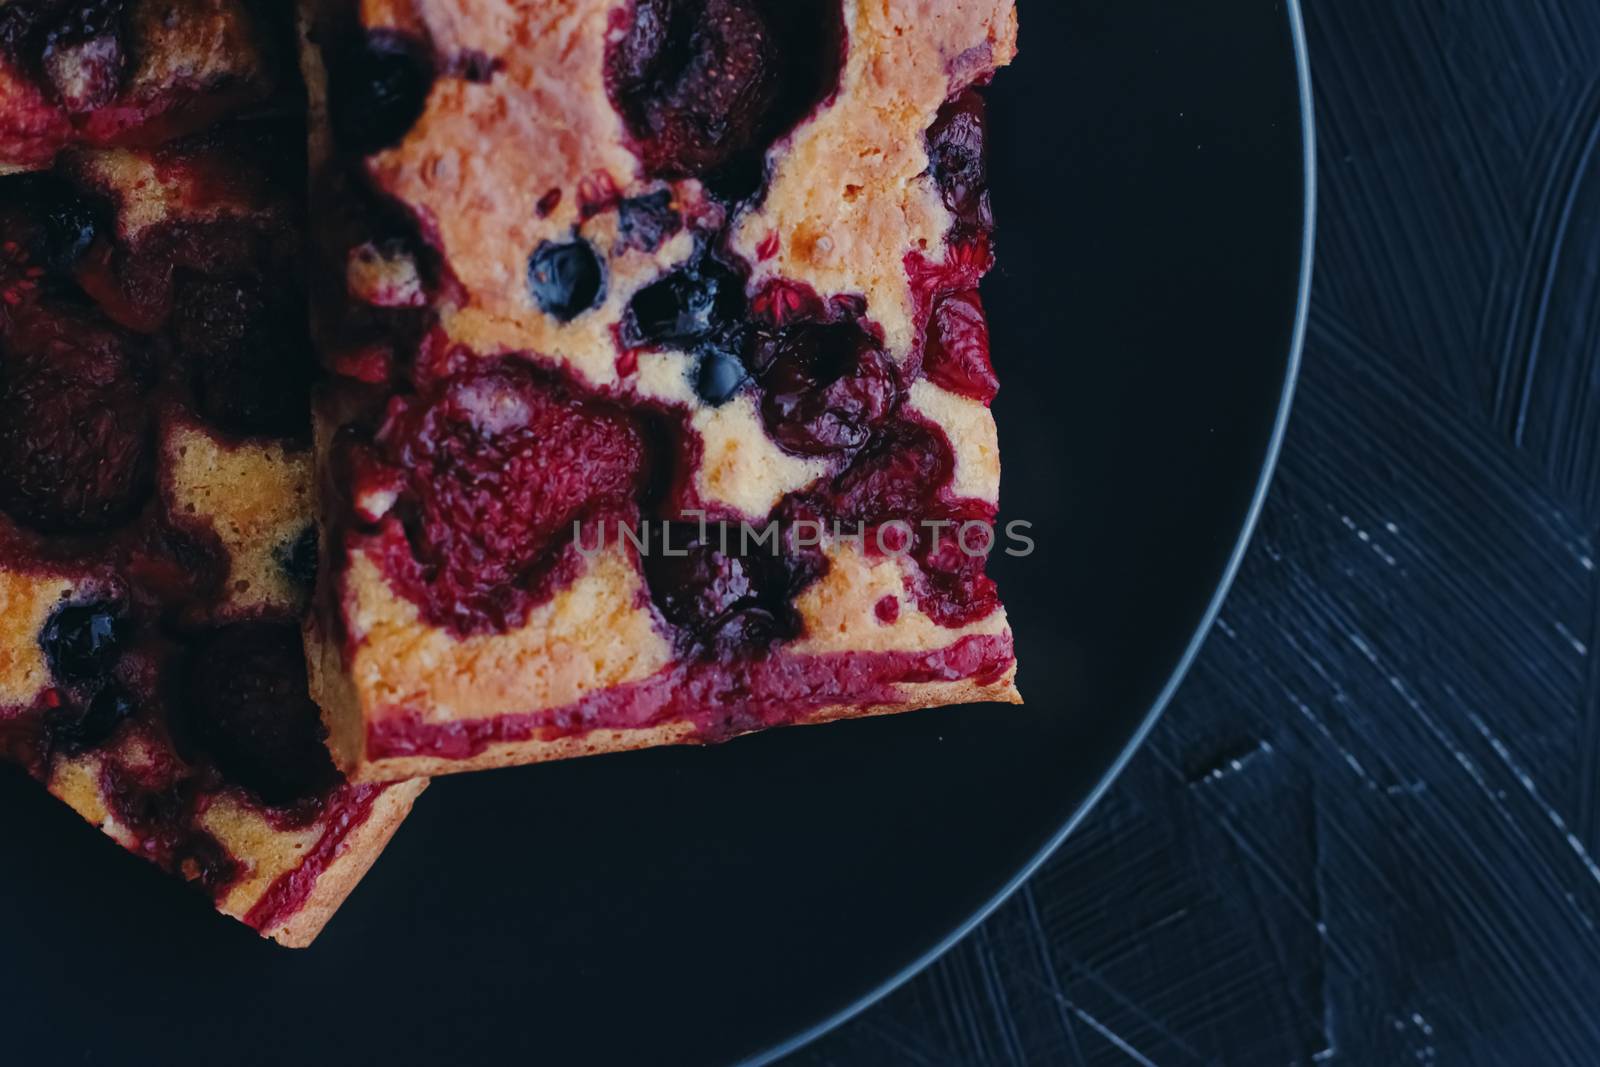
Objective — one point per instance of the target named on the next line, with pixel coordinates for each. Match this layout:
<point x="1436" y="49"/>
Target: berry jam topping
<point x="248" y="352"/>
<point x="705" y="86"/>
<point x="76" y="442"/>
<point x="247" y="709"/>
<point x="76" y="730"/>
<point x="298" y="558"/>
<point x="645" y="222"/>
<point x="566" y="279"/>
<point x="957" y="353"/>
<point x="825" y="387"/>
<point x="727" y="599"/>
<point x="377" y="89"/>
<point x="957" y="156"/>
<point x="497" y="467"/>
<point x="81" y="642"/>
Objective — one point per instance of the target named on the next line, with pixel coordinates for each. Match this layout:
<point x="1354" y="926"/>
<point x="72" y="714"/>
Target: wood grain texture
<point x="1368" y="831"/>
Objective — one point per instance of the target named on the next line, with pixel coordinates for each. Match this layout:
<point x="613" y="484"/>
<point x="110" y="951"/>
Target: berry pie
<point x="661" y="377"/>
<point x="156" y="543"/>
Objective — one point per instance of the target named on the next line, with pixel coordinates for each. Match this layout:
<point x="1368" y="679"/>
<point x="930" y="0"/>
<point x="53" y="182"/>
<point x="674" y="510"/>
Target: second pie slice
<point x="663" y="390"/>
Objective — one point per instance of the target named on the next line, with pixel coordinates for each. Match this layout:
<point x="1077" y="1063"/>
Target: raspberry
<point x="499" y="466"/>
<point x="76" y="445"/>
<point x="248" y="709"/>
<point x="706" y="86"/>
<point x="250" y="357"/>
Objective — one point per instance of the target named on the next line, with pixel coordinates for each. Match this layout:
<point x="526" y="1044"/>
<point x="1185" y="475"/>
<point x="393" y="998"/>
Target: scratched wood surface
<point x="1368" y="830"/>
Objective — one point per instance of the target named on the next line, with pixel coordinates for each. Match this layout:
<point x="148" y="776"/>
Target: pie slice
<point x="664" y="382"/>
<point x="156" y="543"/>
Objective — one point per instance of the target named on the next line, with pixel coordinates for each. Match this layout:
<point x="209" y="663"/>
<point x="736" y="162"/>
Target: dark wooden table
<point x="1368" y="830"/>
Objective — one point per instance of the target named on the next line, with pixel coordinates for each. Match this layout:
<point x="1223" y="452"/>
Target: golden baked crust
<point x="517" y="145"/>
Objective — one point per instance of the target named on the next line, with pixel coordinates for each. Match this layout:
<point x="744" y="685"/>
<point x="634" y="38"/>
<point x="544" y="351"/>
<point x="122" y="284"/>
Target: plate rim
<point x="1308" y="129"/>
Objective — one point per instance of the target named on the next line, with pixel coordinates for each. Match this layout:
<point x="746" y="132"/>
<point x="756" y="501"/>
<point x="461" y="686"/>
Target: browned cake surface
<point x="627" y="262"/>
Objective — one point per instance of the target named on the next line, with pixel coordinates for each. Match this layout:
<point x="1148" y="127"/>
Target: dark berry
<point x="377" y="89"/>
<point x="726" y="603"/>
<point x="958" y="158"/>
<point x="500" y="465"/>
<point x="685" y="307"/>
<point x="719" y="376"/>
<point x="298" y="558"/>
<point x="566" y="279"/>
<point x="645" y="222"/>
<point x="76" y="443"/>
<point x="957" y="353"/>
<point x="70" y="227"/>
<point x="64" y="221"/>
<point x="705" y="86"/>
<point x="97" y="721"/>
<point x="695" y="80"/>
<point x="249" y="711"/>
<point x="900" y="477"/>
<point x="81" y="642"/>
<point x="826" y="387"/>
<point x="249" y="355"/>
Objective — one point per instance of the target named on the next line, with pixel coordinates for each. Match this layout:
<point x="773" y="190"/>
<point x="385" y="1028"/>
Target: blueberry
<point x="677" y="310"/>
<point x="70" y="224"/>
<point x="80" y="641"/>
<point x="566" y="279"/>
<point x="686" y="307"/>
<point x="106" y="711"/>
<point x="719" y="377"/>
<point x="298" y="558"/>
<point x="377" y="89"/>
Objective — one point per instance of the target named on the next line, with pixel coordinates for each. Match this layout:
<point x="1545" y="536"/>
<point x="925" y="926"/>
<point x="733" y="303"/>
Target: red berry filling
<point x="76" y="443"/>
<point x="826" y="388"/>
<point x="497" y="467"/>
<point x="706" y="86"/>
<point x="956" y="356"/>
<point x="729" y="600"/>
<point x="248" y="351"/>
<point x="248" y="710"/>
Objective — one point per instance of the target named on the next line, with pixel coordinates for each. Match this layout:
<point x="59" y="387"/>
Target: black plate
<point x="706" y="906"/>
